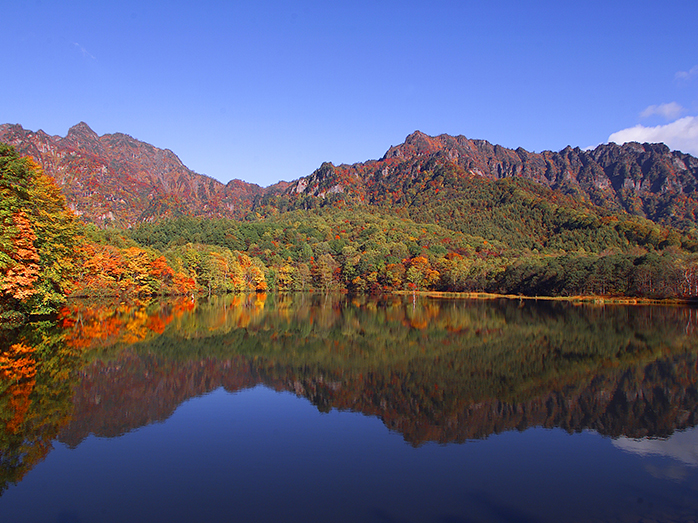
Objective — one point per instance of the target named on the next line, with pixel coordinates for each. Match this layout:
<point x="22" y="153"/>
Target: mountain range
<point x="118" y="180"/>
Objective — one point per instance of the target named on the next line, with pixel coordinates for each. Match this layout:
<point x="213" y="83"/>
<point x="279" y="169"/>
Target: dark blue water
<point x="252" y="453"/>
<point x="261" y="455"/>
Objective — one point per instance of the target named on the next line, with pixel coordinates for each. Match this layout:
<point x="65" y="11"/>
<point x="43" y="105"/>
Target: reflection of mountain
<point x="613" y="404"/>
<point x="118" y="396"/>
<point x="468" y="370"/>
<point x="131" y="392"/>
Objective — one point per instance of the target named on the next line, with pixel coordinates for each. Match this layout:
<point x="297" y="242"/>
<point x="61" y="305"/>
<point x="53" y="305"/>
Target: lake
<point x="328" y="408"/>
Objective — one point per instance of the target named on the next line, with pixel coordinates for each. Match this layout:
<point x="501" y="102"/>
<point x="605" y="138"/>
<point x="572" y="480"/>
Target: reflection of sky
<point x="681" y="446"/>
<point x="262" y="455"/>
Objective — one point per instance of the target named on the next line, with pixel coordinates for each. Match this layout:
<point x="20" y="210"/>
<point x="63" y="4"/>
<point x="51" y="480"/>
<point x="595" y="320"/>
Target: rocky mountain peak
<point x="416" y="144"/>
<point x="648" y="180"/>
<point x="82" y="137"/>
<point x="82" y="131"/>
<point x="117" y="179"/>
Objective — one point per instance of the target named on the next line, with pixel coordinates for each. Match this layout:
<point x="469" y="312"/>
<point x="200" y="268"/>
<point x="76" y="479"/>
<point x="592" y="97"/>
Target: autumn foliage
<point x="23" y="270"/>
<point x="46" y="254"/>
<point x="439" y="230"/>
<point x="110" y="271"/>
<point x="38" y="238"/>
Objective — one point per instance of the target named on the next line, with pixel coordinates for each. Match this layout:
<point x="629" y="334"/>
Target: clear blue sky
<point x="267" y="90"/>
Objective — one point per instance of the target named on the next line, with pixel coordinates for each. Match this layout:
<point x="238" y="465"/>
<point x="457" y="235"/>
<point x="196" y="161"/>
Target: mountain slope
<point x="117" y="179"/>
<point x="646" y="180"/>
<point x="452" y="180"/>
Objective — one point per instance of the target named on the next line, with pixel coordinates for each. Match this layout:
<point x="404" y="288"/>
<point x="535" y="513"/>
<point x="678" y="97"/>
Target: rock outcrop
<point x="116" y="179"/>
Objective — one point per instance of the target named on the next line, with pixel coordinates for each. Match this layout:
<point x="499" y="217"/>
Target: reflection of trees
<point x="135" y="390"/>
<point x="17" y="370"/>
<point x="636" y="402"/>
<point x="90" y="325"/>
<point x="36" y="378"/>
<point x="432" y="370"/>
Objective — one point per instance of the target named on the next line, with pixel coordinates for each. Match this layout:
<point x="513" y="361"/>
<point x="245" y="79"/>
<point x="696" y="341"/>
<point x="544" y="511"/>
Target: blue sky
<point x="267" y="90"/>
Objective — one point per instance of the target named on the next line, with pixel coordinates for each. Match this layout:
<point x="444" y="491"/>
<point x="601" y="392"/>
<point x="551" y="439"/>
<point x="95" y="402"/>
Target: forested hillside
<point x="349" y="248"/>
<point x="646" y="180"/>
<point x="435" y="213"/>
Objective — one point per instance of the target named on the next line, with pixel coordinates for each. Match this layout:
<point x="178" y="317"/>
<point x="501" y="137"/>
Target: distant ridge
<point x="117" y="179"/>
<point x="647" y="180"/>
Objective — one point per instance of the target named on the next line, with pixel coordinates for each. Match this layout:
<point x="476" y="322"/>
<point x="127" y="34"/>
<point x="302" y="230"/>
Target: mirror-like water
<point x="309" y="408"/>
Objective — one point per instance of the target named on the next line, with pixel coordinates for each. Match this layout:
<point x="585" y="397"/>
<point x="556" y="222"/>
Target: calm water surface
<point x="316" y="408"/>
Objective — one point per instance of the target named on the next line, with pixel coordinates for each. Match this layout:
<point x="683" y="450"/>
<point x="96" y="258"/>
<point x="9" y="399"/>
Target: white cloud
<point x="687" y="75"/>
<point x="680" y="135"/>
<point x="669" y="111"/>
<point x="681" y="446"/>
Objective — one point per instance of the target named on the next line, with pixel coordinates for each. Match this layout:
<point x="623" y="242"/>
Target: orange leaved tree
<point x="38" y="237"/>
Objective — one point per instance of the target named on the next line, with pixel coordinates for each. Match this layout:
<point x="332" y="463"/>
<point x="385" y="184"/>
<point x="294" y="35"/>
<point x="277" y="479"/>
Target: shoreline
<point x="585" y="300"/>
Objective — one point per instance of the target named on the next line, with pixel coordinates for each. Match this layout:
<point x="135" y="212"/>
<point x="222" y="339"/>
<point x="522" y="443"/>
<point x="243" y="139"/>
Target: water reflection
<point x="37" y="381"/>
<point x="680" y="446"/>
<point x="432" y="370"/>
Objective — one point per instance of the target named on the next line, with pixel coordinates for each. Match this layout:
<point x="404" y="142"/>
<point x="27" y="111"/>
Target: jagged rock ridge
<point x="647" y="180"/>
<point x="117" y="179"/>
